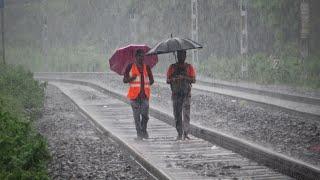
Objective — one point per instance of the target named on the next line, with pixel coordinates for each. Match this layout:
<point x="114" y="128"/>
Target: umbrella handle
<point x="175" y="56"/>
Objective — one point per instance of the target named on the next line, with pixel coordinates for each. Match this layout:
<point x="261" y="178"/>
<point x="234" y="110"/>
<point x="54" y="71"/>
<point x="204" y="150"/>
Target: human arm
<point x="150" y="75"/>
<point x="190" y="76"/>
<point x="192" y="79"/>
<point x="169" y="75"/>
<point x="126" y="77"/>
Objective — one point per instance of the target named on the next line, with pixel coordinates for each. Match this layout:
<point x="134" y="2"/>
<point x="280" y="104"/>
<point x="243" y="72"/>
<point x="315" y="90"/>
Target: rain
<point x="257" y="73"/>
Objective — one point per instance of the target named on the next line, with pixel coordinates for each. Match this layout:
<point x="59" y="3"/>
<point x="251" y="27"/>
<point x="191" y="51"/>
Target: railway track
<point x="281" y="163"/>
<point x="307" y="105"/>
<point x="312" y="100"/>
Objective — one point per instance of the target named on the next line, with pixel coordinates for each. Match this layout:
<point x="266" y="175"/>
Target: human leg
<point x="177" y="112"/>
<point x="145" y="117"/>
<point x="136" y="109"/>
<point x="186" y="116"/>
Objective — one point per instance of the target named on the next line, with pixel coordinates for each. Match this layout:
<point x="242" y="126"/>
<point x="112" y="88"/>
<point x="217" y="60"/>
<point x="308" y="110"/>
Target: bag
<point x="182" y="87"/>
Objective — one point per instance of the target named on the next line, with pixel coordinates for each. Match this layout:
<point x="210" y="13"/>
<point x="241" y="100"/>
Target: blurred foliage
<point x="23" y="152"/>
<point x="265" y="70"/>
<point x="83" y="34"/>
<point x="279" y="19"/>
<point x="71" y="58"/>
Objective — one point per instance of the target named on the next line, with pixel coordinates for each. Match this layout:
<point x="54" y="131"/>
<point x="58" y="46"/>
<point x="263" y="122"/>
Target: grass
<point x="263" y="69"/>
<point x="81" y="58"/>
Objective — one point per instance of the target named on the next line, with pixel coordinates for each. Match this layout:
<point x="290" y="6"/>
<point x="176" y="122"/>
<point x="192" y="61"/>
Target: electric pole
<point x="44" y="33"/>
<point x="133" y="22"/>
<point x="244" y="33"/>
<point x="305" y="29"/>
<point x="3" y="32"/>
<point x="194" y="29"/>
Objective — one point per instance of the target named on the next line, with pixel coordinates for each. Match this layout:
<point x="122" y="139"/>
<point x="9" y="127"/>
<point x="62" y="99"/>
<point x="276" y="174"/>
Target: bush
<point x="18" y="85"/>
<point x="23" y="152"/>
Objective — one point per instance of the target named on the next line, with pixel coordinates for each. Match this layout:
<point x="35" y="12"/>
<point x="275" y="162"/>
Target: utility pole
<point x="44" y="33"/>
<point x="194" y="29"/>
<point x="244" y="28"/>
<point x="133" y="19"/>
<point x="3" y="32"/>
<point x="305" y="29"/>
<point x="244" y="33"/>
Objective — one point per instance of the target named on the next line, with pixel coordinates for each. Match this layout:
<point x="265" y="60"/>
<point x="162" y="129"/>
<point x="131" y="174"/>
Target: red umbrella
<point x="126" y="55"/>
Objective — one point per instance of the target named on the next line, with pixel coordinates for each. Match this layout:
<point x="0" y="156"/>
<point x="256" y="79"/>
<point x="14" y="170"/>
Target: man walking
<point x="180" y="76"/>
<point x="140" y="78"/>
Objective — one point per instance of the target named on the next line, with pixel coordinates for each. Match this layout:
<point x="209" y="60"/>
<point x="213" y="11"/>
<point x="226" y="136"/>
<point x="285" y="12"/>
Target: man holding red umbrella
<point x="140" y="78"/>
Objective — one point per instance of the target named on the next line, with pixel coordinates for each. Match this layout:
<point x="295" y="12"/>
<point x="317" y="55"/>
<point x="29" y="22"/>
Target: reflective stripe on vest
<point x="135" y="86"/>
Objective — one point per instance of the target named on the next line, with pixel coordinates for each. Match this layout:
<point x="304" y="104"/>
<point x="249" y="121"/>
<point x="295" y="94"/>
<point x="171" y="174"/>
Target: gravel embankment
<point x="78" y="150"/>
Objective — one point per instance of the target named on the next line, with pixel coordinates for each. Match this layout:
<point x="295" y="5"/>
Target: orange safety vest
<point x="135" y="86"/>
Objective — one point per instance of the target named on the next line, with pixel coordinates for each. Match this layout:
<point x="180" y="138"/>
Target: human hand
<point x="133" y="78"/>
<point x="180" y="77"/>
<point x="177" y="78"/>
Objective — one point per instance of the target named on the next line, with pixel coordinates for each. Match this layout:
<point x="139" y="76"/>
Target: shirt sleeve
<point x="169" y="72"/>
<point x="126" y="74"/>
<point x="150" y="75"/>
<point x="191" y="71"/>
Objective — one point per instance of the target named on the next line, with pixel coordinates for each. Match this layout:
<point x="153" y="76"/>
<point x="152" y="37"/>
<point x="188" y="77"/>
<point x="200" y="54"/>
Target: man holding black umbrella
<point x="180" y="76"/>
<point x="140" y="78"/>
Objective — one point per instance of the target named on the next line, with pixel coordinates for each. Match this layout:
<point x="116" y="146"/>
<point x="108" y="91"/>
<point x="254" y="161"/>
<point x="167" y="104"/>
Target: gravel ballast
<point x="78" y="149"/>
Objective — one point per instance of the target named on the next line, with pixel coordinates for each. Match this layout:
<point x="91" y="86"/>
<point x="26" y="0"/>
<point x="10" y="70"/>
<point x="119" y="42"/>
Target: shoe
<point x="179" y="137"/>
<point x="186" y="137"/>
<point x="145" y="135"/>
<point x="138" y="138"/>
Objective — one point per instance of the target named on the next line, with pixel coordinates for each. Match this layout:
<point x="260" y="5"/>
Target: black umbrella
<point x="172" y="45"/>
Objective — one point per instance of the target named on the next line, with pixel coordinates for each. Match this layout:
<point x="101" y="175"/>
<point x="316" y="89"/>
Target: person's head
<point x="139" y="56"/>
<point x="181" y="55"/>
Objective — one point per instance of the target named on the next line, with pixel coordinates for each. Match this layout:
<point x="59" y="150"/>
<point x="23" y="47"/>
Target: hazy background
<point x="81" y="35"/>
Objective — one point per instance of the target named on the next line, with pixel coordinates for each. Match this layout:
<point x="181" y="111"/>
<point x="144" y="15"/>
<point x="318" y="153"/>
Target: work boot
<point x="145" y="135"/>
<point x="179" y="137"/>
<point x="138" y="138"/>
<point x="185" y="136"/>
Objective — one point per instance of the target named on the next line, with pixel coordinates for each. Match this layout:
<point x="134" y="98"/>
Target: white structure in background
<point x="244" y="33"/>
<point x="244" y="27"/>
<point x="133" y="19"/>
<point x="305" y="28"/>
<point x="44" y="33"/>
<point x="194" y="31"/>
<point x="3" y="31"/>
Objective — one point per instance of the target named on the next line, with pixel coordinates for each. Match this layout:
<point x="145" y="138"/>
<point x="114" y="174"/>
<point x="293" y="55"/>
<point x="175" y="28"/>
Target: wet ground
<point x="190" y="159"/>
<point x="293" y="134"/>
<point x="78" y="150"/>
<point x="285" y="132"/>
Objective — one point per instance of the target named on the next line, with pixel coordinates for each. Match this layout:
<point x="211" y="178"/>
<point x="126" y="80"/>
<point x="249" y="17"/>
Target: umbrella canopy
<point x="172" y="45"/>
<point x="126" y="55"/>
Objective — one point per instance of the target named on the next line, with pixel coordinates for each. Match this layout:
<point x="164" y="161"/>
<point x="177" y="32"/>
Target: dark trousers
<point x="140" y="108"/>
<point x="181" y="112"/>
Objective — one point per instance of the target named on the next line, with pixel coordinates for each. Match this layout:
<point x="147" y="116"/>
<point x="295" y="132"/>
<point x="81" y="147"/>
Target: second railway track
<point x="307" y="105"/>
